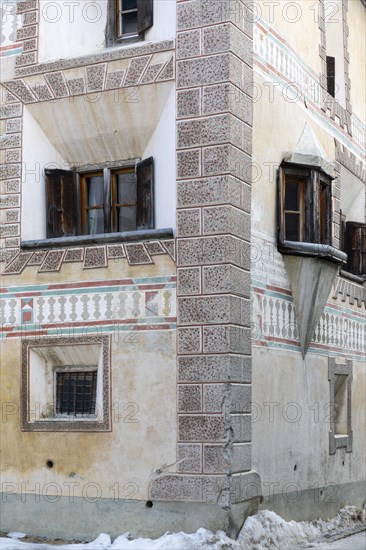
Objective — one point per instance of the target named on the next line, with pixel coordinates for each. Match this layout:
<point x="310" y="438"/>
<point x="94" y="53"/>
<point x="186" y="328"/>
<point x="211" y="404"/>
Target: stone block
<point x="215" y="459"/>
<point x="188" y="164"/>
<point x="189" y="457"/>
<point x="204" y="131"/>
<point x="191" y="488"/>
<point x="226" y="339"/>
<point x="219" y="279"/>
<point x="227" y="159"/>
<point x="215" y="398"/>
<point x="226" y="398"/>
<point x="220" y="459"/>
<point x="203" y="70"/>
<point x="189" y="222"/>
<point x="214" y="368"/>
<point x="209" y="310"/>
<point x="240" y="398"/>
<point x="197" y="13"/>
<point x="189" y="103"/>
<point x="202" y="428"/>
<point x="213" y="250"/>
<point x="189" y="281"/>
<point x="227" y="97"/>
<point x="189" y="398"/>
<point x="242" y="427"/>
<point x="189" y="340"/>
<point x="189" y="44"/>
<point x="220" y="189"/>
<point x="226" y="219"/>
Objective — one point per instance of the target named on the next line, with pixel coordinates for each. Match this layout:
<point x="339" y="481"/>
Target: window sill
<point x="315" y="250"/>
<point x="352" y="277"/>
<point x="102" y="238"/>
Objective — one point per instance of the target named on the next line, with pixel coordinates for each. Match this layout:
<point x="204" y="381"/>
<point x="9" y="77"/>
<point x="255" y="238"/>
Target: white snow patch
<point x="266" y="530"/>
<point x="16" y="535"/>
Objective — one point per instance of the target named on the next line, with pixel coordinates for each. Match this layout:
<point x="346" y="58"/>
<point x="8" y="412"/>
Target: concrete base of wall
<point x="83" y="520"/>
<point x="319" y="503"/>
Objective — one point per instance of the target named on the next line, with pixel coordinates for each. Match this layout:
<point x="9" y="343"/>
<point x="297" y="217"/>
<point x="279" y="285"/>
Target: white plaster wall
<point x="162" y="147"/>
<point x="70" y="29"/>
<point x="74" y="28"/>
<point x="38" y="153"/>
<point x="164" y="21"/>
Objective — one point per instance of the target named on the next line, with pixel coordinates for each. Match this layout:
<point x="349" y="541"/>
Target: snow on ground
<point x="264" y="531"/>
<point x="355" y="542"/>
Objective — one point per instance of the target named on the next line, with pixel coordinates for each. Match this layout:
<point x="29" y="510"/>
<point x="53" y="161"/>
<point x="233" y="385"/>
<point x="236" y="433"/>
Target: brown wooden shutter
<point x="145" y="14"/>
<point x="356" y="248"/>
<point x="145" y="194"/>
<point x="60" y="203"/>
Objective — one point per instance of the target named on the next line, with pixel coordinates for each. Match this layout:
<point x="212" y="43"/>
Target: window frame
<point x="311" y="226"/>
<point x="75" y="180"/>
<point x="145" y="20"/>
<point x="40" y="416"/>
<point x="337" y="441"/>
<point x="110" y="195"/>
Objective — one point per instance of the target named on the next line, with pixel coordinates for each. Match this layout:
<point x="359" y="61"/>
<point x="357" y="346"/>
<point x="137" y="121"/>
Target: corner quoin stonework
<point x="214" y="71"/>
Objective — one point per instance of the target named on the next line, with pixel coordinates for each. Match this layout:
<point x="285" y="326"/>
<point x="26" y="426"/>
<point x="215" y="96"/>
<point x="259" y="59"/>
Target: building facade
<point x="183" y="263"/>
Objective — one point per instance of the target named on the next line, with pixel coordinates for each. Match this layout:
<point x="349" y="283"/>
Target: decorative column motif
<point x="214" y="150"/>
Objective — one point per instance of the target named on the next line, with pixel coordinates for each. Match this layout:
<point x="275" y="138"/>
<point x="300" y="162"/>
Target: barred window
<point x="76" y="392"/>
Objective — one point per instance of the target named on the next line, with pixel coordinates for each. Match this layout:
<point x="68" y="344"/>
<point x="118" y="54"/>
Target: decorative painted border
<point x="118" y="306"/>
<point x="340" y="331"/>
<point x="75" y="425"/>
<point x="96" y="77"/>
<point x="274" y="56"/>
<point x="91" y="256"/>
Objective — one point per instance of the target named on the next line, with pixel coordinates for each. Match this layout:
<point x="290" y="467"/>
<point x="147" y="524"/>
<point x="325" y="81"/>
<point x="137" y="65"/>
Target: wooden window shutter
<point x="145" y="15"/>
<point x="60" y="203"/>
<point x="145" y="194"/>
<point x="356" y="248"/>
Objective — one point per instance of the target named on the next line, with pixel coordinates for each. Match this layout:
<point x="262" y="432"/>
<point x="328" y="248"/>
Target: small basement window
<point x="340" y="377"/>
<point x="66" y="384"/>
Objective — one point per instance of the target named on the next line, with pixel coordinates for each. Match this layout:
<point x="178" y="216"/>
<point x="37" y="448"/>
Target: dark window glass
<point x="76" y="392"/>
<point x="292" y="198"/>
<point x="292" y="223"/>
<point x="129" y="5"/>
<point x="95" y="186"/>
<point x="129" y="23"/>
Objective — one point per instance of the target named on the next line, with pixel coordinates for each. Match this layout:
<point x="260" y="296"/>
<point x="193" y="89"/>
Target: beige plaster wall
<point x="278" y="125"/>
<point x="357" y="53"/>
<point x="143" y="437"/>
<point x="299" y="434"/>
<point x="290" y="19"/>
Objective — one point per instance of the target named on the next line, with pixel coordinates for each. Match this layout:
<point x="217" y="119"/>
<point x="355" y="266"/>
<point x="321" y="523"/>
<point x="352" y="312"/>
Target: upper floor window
<point x="104" y="200"/>
<point x="128" y="20"/>
<point x="304" y="205"/>
<point x="354" y="244"/>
